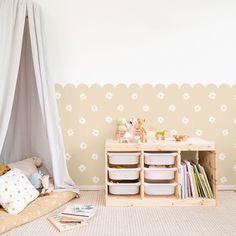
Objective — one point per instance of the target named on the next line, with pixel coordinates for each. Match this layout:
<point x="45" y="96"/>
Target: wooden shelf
<point x="206" y="156"/>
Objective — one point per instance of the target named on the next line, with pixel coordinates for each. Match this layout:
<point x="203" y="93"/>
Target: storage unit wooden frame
<point x="206" y="155"/>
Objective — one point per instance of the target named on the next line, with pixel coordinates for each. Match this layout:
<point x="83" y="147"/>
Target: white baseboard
<point x="91" y="187"/>
<point x="226" y="187"/>
<point x="102" y="187"/>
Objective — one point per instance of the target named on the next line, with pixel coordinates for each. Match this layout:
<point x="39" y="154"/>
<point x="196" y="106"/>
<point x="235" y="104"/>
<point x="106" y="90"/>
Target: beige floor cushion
<point x="39" y="207"/>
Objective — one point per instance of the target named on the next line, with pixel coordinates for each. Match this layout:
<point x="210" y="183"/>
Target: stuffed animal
<point x="4" y="169"/>
<point x="37" y="161"/>
<point x="35" y="179"/>
<point x="140" y="130"/>
<point x="47" y="185"/>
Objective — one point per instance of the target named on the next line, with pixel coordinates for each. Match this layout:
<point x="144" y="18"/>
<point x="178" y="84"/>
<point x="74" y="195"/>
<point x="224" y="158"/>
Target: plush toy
<point x="140" y="130"/>
<point x="4" y="169"/>
<point x="35" y="179"/>
<point x="37" y="161"/>
<point x="47" y="185"/>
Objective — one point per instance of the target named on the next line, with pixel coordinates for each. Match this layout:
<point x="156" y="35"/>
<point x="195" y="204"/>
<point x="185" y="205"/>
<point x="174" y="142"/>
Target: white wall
<point x="144" y="41"/>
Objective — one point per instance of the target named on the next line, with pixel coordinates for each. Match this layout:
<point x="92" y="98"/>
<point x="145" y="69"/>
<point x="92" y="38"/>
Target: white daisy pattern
<point x="83" y="145"/>
<point x="82" y="168"/>
<point x="67" y="156"/>
<point x="82" y="120"/>
<point x="94" y="156"/>
<point x="197" y="108"/>
<point x="108" y="119"/>
<point x="58" y="95"/>
<point x="95" y="132"/>
<point x="212" y="119"/>
<point x="160" y="95"/>
<point x="212" y="95"/>
<point x="185" y="120"/>
<point x="225" y="132"/>
<point x="234" y="168"/>
<point x="95" y="179"/>
<point x="186" y="96"/>
<point x="69" y="108"/>
<point x="199" y="132"/>
<point x="223" y="179"/>
<point x="221" y="156"/>
<point x="134" y="96"/>
<point x="83" y="96"/>
<point x="234" y="120"/>
<point x="70" y="132"/>
<point x="146" y="108"/>
<point x="109" y="95"/>
<point x="235" y="145"/>
<point x="224" y="108"/>
<point x="160" y="119"/>
<point x="172" y="108"/>
<point x="94" y="108"/>
<point x="120" y="107"/>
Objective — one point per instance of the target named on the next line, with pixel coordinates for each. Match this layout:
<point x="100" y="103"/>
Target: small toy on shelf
<point x="140" y="130"/>
<point x="161" y="134"/>
<point x="180" y="138"/>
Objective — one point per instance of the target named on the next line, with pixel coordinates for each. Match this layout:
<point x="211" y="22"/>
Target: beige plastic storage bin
<point x="124" y="158"/>
<point x="123" y="174"/>
<point x="159" y="189"/>
<point x="159" y="173"/>
<point x="124" y="189"/>
<point x="160" y="158"/>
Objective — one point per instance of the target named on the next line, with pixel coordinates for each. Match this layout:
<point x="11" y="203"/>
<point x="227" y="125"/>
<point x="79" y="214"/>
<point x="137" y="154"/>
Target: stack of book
<point x="73" y="217"/>
<point x="194" y="181"/>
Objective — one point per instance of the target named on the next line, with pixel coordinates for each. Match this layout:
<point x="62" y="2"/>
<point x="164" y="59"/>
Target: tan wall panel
<point x="89" y="113"/>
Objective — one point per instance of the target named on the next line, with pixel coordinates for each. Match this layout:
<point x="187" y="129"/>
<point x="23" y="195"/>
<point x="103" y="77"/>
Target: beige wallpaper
<point x="88" y="116"/>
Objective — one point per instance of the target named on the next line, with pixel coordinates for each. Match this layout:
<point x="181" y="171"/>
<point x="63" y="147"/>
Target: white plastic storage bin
<point x="159" y="189"/>
<point x="160" y="158"/>
<point x="124" y="158"/>
<point x="124" y="189"/>
<point x="123" y="174"/>
<point x="159" y="173"/>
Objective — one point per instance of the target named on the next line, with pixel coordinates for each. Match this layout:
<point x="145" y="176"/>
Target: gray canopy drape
<point x="29" y="124"/>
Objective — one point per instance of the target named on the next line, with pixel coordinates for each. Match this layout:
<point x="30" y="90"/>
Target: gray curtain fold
<point x="29" y="124"/>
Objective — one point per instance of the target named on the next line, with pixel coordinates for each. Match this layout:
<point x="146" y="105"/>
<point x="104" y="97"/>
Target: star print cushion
<point x="16" y="191"/>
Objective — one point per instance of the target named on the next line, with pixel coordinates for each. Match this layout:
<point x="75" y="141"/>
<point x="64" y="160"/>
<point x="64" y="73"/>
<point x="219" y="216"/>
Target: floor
<point x="142" y="221"/>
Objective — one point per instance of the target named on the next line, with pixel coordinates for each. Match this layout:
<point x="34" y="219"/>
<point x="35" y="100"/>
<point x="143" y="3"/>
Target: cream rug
<point x="142" y="221"/>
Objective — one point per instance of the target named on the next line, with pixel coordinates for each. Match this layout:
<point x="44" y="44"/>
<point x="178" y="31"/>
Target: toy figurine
<point x="161" y="134"/>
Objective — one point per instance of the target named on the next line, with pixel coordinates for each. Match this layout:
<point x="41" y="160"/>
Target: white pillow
<point x="27" y="166"/>
<point x="16" y="191"/>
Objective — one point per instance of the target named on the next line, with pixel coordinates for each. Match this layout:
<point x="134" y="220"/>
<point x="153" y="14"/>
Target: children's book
<point x="83" y="212"/>
<point x="74" y="216"/>
<point x="64" y="226"/>
<point x="207" y="182"/>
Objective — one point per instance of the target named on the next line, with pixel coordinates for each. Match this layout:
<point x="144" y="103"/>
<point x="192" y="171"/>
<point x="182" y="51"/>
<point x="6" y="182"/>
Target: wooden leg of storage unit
<point x="142" y="175"/>
<point x="178" y="175"/>
<point x="106" y="177"/>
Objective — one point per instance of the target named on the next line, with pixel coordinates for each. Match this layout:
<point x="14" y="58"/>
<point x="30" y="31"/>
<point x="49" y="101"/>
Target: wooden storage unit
<point x="147" y="194"/>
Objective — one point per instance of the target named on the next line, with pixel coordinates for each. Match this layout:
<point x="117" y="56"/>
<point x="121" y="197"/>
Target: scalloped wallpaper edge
<point x="88" y="115"/>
